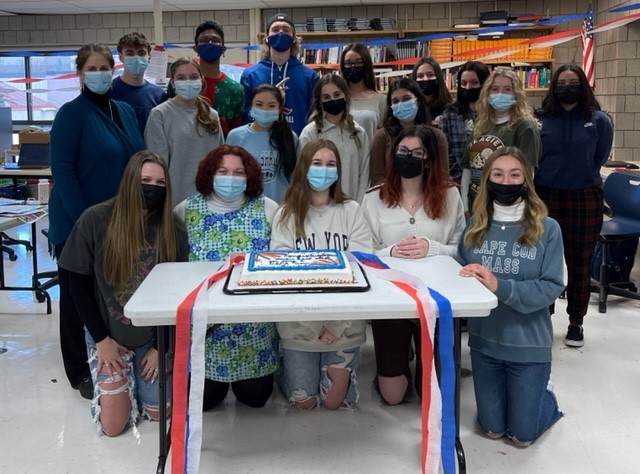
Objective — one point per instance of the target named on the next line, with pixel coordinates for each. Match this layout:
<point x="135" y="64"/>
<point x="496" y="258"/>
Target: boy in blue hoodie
<point x="281" y="67"/>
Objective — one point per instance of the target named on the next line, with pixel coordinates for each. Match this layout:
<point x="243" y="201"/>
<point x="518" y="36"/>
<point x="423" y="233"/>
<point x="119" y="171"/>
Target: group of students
<point x="297" y="175"/>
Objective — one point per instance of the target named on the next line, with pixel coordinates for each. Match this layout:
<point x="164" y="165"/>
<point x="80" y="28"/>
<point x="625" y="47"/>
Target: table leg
<point x="457" y="357"/>
<point x="162" y="386"/>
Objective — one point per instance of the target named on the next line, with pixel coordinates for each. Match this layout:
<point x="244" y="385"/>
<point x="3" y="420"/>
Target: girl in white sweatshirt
<point x="320" y="358"/>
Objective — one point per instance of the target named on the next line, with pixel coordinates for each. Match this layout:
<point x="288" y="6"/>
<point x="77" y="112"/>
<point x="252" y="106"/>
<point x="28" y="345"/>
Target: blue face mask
<point x="405" y="111"/>
<point x="321" y="178"/>
<point x="280" y="42"/>
<point x="264" y="118"/>
<point x="188" y="89"/>
<point x="210" y="52"/>
<point x="229" y="188"/>
<point x="501" y="102"/>
<point x="135" y="65"/>
<point x="98" y="82"/>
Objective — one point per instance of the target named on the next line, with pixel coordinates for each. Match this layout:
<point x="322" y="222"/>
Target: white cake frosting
<point x="295" y="267"/>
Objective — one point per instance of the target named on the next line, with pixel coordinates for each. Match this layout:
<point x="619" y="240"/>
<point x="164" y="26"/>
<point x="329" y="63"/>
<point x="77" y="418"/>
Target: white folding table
<point x="156" y="300"/>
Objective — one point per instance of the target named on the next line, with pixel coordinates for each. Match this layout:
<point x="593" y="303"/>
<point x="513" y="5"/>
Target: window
<point x="36" y="86"/>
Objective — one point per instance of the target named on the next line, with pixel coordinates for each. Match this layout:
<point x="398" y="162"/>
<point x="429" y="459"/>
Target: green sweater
<point x="524" y="135"/>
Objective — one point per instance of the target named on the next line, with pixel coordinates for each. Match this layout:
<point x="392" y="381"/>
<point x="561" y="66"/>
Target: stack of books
<point x="383" y="24"/>
<point x="316" y="24"/>
<point x="338" y="24"/>
<point x="357" y="24"/>
<point x="498" y="17"/>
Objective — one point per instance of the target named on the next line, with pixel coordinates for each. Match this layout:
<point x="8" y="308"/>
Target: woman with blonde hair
<point x="112" y="248"/>
<point x="331" y="119"/>
<point x="320" y="358"/>
<point x="503" y="119"/>
<point x="514" y="249"/>
<point x="185" y="128"/>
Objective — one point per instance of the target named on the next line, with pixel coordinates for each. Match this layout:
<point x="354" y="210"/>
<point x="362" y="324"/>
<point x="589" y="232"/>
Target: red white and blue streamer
<point x="188" y="364"/>
<point x="438" y="400"/>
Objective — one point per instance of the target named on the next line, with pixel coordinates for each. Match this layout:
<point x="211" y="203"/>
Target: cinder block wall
<point x="617" y="67"/>
<point x="108" y="28"/>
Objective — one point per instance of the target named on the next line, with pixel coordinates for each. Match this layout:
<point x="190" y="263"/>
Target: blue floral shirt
<point x="239" y="351"/>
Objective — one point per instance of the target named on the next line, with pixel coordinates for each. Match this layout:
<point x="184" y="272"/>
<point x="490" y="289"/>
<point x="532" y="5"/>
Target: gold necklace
<point x="414" y="203"/>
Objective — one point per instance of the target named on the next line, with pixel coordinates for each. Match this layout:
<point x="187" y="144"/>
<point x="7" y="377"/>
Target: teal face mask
<point x="229" y="188"/>
<point x="98" y="82"/>
<point x="264" y="118"/>
<point x="321" y="178"/>
<point x="501" y="102"/>
<point x="135" y="65"/>
<point x="405" y="111"/>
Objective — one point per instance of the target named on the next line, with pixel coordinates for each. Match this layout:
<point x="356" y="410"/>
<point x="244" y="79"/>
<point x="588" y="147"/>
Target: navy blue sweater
<point x="573" y="150"/>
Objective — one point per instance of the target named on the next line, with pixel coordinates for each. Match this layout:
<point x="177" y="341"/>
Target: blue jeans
<point x="304" y="374"/>
<point x="143" y="395"/>
<point x="512" y="398"/>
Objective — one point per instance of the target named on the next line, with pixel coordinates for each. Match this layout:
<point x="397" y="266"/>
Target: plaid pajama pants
<point x="579" y="213"/>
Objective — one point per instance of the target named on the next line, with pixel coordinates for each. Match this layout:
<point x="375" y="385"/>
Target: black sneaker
<point x="574" y="337"/>
<point x="85" y="387"/>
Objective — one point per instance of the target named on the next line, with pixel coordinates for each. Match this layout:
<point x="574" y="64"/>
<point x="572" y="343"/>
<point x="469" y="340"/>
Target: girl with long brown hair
<point x="112" y="248"/>
<point x="320" y="358"/>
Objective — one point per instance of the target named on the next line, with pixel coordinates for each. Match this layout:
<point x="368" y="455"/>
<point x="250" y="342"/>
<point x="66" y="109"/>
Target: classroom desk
<point x="41" y="293"/>
<point x="14" y="174"/>
<point x="154" y="304"/>
<point x="17" y="173"/>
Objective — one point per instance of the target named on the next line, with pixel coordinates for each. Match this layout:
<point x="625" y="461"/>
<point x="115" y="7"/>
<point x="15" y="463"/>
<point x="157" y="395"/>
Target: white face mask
<point x="188" y="89"/>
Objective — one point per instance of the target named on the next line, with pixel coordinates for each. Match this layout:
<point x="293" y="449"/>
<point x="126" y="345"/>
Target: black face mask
<point x="505" y="194"/>
<point x="469" y="95"/>
<point x="568" y="94"/>
<point x="334" y="107"/>
<point x="354" y="74"/>
<point x="154" y="196"/>
<point x="429" y="87"/>
<point x="408" y="167"/>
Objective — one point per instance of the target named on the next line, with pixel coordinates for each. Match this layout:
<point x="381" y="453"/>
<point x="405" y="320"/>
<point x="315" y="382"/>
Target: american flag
<point x="587" y="47"/>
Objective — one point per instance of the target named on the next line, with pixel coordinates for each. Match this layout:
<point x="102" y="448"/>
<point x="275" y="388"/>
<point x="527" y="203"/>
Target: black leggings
<point x="252" y="392"/>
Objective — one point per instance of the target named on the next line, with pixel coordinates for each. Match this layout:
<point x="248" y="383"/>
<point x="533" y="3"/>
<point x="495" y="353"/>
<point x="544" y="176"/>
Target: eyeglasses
<point x="416" y="153"/>
<point x="354" y="64"/>
<point x="209" y="40"/>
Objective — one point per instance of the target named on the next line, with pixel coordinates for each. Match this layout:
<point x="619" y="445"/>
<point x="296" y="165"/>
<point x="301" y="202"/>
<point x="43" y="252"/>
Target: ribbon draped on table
<point x="437" y="420"/>
<point x="438" y="417"/>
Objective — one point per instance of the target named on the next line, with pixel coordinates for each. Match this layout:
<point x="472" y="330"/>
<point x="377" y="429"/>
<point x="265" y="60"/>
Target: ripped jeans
<point x="304" y="374"/>
<point x="141" y="394"/>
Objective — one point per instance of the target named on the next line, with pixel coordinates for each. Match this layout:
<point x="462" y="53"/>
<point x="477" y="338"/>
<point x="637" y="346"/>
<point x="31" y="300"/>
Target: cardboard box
<point x="33" y="135"/>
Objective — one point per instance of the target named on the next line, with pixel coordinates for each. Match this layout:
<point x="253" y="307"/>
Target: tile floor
<point x="45" y="425"/>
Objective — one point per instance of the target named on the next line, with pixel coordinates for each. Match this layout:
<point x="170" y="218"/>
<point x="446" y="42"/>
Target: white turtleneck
<point x="512" y="213"/>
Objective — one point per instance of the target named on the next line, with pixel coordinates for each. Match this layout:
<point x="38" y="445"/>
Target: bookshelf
<point x="533" y="65"/>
